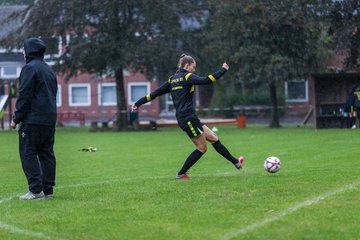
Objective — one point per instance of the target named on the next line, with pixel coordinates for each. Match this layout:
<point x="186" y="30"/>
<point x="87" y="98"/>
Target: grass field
<point x="127" y="189"/>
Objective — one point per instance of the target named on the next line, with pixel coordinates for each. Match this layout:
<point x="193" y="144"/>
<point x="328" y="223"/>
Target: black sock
<point x="224" y="152"/>
<point x="352" y="121"/>
<point x="191" y="160"/>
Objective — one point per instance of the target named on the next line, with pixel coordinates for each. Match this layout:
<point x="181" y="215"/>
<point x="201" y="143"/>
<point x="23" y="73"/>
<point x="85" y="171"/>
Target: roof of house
<point x="7" y="27"/>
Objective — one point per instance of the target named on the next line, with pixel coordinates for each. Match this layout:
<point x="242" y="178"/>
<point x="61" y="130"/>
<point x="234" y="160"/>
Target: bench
<point x="253" y="110"/>
<point x="331" y="121"/>
<point x="71" y="116"/>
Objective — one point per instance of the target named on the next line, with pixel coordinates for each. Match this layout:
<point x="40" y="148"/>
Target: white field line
<point x="20" y="231"/>
<point x="107" y="181"/>
<point x="82" y="184"/>
<point x="40" y="235"/>
<point x="227" y="236"/>
<point x="6" y="199"/>
<point x="288" y="211"/>
<point x="16" y="230"/>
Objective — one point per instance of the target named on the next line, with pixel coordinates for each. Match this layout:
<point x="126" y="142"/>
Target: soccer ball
<point x="272" y="164"/>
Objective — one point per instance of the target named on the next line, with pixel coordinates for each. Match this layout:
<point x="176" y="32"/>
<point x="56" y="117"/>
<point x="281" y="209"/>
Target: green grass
<point x="127" y="190"/>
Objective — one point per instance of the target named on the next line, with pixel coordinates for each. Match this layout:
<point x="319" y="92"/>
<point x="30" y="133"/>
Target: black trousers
<point x="36" y="147"/>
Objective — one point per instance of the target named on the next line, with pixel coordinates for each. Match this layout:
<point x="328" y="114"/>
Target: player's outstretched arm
<point x="211" y="78"/>
<point x="164" y="88"/>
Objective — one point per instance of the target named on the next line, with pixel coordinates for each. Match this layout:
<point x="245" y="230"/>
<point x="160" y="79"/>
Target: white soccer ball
<point x="272" y="164"/>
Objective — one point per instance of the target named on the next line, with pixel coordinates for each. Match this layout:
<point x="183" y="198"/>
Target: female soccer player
<point x="181" y="86"/>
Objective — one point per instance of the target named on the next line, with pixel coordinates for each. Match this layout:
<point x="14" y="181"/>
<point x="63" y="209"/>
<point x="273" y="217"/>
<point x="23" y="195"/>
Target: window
<point x="137" y="90"/>
<point x="9" y="71"/>
<point x="53" y="45"/>
<point x="79" y="95"/>
<point x="169" y="104"/>
<point x="107" y="94"/>
<point x="58" y="96"/>
<point x="296" y="91"/>
<point x="53" y="49"/>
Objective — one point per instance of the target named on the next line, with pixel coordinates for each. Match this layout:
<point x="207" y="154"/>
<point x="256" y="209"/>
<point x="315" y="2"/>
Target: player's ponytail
<point x="184" y="59"/>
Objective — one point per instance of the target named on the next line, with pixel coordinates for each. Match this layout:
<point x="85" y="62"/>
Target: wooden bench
<point x="253" y="110"/>
<point x="71" y="116"/>
<point x="331" y="121"/>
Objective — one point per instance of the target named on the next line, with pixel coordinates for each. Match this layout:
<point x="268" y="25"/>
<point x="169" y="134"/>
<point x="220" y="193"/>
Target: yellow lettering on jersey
<point x="148" y="98"/>
<point x="187" y="76"/>
<point x="192" y="88"/>
<point x="212" y="78"/>
<point x="177" y="88"/>
<point x="176" y="80"/>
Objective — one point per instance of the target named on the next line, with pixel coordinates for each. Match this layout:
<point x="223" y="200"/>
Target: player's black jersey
<point x="181" y="86"/>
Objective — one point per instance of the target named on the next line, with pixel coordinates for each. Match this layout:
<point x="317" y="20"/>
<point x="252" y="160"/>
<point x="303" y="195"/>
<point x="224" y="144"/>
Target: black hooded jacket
<point x="37" y="87"/>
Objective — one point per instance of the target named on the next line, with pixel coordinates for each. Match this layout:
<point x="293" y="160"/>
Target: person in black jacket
<point x="181" y="86"/>
<point x="36" y="114"/>
<point x="352" y="106"/>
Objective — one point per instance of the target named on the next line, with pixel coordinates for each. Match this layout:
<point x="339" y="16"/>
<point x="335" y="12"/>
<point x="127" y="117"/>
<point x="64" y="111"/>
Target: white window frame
<point x="306" y="99"/>
<point x="59" y="101"/>
<point x="10" y="75"/>
<point x="74" y="85"/>
<point x="100" y="85"/>
<point x="147" y="84"/>
<point x="49" y="57"/>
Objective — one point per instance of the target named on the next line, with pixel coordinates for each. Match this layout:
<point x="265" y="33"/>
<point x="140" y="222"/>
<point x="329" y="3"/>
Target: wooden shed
<point x="327" y="95"/>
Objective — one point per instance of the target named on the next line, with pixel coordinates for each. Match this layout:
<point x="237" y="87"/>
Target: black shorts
<point x="192" y="127"/>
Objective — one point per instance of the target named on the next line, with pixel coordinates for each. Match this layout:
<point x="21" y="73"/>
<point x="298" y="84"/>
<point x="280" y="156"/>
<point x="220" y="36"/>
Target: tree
<point x="15" y="2"/>
<point x="270" y="41"/>
<point x="107" y="36"/>
<point x="344" y="27"/>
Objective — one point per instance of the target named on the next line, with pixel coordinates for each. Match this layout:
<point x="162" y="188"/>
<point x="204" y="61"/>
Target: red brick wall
<point x="92" y="112"/>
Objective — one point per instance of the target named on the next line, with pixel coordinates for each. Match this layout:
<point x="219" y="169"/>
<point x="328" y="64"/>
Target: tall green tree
<point x="344" y="19"/>
<point x="108" y="36"/>
<point x="271" y="41"/>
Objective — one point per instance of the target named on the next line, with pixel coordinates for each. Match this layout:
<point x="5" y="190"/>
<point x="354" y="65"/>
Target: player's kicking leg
<point x="221" y="149"/>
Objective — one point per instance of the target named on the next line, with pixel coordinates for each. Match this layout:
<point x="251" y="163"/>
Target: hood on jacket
<point x="34" y="48"/>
